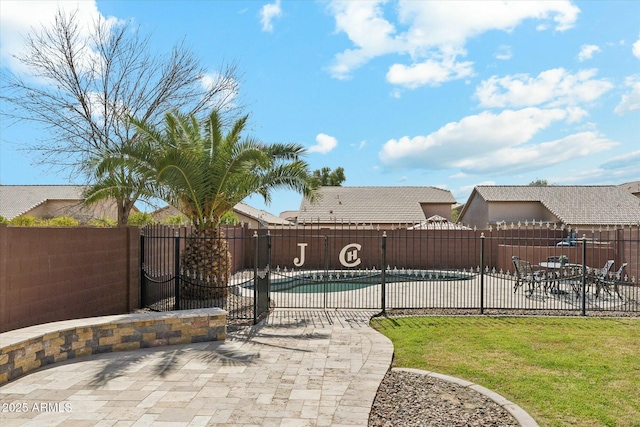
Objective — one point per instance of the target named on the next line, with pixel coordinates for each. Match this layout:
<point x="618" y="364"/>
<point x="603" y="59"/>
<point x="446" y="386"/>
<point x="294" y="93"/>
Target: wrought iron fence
<point x="187" y="268"/>
<point x="347" y="265"/>
<point x="404" y="266"/>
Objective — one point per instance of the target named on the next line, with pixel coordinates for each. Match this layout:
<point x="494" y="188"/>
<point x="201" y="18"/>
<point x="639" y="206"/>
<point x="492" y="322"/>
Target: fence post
<point x="143" y="281"/>
<point x="481" y="273"/>
<point x="255" y="276"/>
<point x="326" y="270"/>
<point x="584" y="274"/>
<point x="383" y="273"/>
<point x="176" y="270"/>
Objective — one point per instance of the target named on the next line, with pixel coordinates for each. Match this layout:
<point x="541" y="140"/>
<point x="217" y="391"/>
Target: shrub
<point x="229" y="218"/>
<point x="174" y="220"/>
<point x="24" y="221"/>
<point x="141" y="219"/>
<point x="3" y="220"/>
<point x="63" y="221"/>
<point x="102" y="222"/>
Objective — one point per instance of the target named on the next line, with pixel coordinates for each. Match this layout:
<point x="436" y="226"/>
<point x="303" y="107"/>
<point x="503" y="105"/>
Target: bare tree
<point x="82" y="91"/>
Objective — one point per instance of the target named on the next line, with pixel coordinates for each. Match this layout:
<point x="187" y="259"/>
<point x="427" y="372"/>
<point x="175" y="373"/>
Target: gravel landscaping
<point x="408" y="399"/>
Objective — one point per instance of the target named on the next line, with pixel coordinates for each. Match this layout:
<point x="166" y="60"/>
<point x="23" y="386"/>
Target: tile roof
<point x="585" y="205"/>
<point x="242" y="208"/>
<point x="631" y="187"/>
<point x="372" y="204"/>
<point x="260" y="214"/>
<point x="16" y="200"/>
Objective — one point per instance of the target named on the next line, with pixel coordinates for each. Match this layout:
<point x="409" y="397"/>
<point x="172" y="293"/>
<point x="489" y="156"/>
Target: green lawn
<point x="562" y="371"/>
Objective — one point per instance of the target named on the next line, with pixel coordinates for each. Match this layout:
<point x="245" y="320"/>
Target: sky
<point x="450" y="94"/>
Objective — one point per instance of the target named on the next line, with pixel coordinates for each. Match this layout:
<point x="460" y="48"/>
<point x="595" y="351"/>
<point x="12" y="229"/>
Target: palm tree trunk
<point x="205" y="265"/>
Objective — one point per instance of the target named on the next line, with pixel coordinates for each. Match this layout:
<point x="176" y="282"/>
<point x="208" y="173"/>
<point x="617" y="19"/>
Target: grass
<point x="562" y="371"/>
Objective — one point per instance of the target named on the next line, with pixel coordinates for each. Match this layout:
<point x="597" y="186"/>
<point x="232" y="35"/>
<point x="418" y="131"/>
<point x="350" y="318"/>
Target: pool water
<point x="319" y="283"/>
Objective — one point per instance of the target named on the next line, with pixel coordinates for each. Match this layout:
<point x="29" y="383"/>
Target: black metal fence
<point x="404" y="267"/>
<point x="182" y="268"/>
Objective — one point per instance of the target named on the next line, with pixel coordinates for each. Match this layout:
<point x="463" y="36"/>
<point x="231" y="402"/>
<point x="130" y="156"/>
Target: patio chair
<point x="526" y="275"/>
<point x="606" y="282"/>
<point x="595" y="275"/>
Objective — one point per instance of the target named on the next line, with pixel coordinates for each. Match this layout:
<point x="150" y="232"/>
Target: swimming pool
<point x="341" y="281"/>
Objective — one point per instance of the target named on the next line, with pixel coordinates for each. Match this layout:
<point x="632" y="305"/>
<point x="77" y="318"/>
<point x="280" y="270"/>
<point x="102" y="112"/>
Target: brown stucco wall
<point x="476" y="213"/>
<point x="519" y="211"/>
<point x="431" y="209"/>
<point x="52" y="274"/>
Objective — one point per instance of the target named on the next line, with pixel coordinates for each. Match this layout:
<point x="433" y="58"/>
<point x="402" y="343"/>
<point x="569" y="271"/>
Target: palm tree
<point x="205" y="174"/>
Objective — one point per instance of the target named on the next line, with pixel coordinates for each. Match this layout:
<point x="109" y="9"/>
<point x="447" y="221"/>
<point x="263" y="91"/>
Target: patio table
<point x="557" y="269"/>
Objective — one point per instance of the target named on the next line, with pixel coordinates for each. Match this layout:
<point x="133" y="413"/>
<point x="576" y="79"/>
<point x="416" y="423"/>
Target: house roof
<point x="260" y="215"/>
<point x="372" y="204"/>
<point x="632" y="187"/>
<point x="16" y="200"/>
<point x="584" y="205"/>
<point x="244" y="209"/>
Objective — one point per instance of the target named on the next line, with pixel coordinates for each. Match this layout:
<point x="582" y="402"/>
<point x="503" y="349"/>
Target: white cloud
<point x="436" y="32"/>
<point x="324" y="144"/>
<point x="529" y="157"/>
<point x="268" y="13"/>
<point x="504" y="53"/>
<point x="18" y="19"/>
<point x="628" y="161"/>
<point x="635" y="49"/>
<point x="364" y="24"/>
<point x="587" y="51"/>
<point x="225" y="98"/>
<point x="553" y="87"/>
<point x="630" y="101"/>
<point x="492" y="143"/>
<point x="429" y="72"/>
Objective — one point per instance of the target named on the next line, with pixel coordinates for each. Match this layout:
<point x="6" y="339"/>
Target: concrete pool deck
<point x="291" y="370"/>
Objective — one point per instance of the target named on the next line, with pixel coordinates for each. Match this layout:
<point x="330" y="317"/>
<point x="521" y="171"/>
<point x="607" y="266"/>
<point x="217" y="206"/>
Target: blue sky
<point x="428" y="93"/>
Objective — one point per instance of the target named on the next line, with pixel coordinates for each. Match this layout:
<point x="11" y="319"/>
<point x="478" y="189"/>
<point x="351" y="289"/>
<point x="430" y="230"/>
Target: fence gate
<point x="184" y="269"/>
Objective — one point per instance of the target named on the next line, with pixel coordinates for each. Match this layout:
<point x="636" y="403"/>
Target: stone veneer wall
<point x="27" y="349"/>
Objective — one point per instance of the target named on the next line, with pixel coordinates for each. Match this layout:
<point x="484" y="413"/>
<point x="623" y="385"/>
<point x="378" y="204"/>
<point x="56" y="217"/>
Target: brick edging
<point x="27" y="349"/>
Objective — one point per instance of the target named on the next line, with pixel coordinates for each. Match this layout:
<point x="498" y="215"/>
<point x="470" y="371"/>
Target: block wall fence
<point x="54" y="274"/>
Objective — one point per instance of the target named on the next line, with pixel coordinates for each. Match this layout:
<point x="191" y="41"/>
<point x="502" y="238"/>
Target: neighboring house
<point x="632" y="187"/>
<point x="580" y="207"/>
<point x="255" y="218"/>
<point x="289" y="215"/>
<point x="49" y="201"/>
<point x="386" y="207"/>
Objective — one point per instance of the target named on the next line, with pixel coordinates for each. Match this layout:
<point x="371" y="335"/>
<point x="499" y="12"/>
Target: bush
<point x="174" y="220"/>
<point x="229" y="218"/>
<point x="25" y="221"/>
<point x="63" y="221"/>
<point x="102" y="222"/>
<point x="3" y="220"/>
<point x="141" y="219"/>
